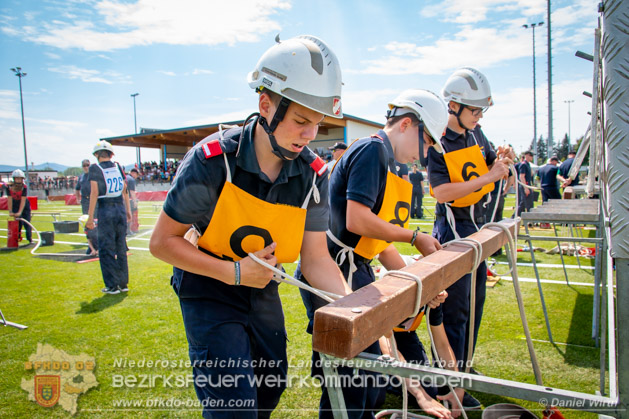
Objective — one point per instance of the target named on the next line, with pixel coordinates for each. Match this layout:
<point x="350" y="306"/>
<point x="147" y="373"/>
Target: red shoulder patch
<point x="318" y="165"/>
<point x="211" y="149"/>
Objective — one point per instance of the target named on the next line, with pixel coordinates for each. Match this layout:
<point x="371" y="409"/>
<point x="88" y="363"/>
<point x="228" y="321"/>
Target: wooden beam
<point x="348" y="326"/>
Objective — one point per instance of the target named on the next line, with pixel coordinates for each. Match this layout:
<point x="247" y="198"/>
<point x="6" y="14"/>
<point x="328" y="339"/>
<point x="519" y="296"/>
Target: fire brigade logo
<point x="47" y="389"/>
<point x="59" y="379"/>
<point x="336" y="106"/>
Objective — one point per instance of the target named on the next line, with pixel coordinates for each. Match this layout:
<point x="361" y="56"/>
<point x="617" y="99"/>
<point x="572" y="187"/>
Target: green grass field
<point x="61" y="303"/>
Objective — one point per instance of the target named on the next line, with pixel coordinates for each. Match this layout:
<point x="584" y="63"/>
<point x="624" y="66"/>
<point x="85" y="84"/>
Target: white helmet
<point x="468" y="86"/>
<point x="103" y="145"/>
<point x="17" y="173"/>
<point x="304" y="70"/>
<point x="428" y="107"/>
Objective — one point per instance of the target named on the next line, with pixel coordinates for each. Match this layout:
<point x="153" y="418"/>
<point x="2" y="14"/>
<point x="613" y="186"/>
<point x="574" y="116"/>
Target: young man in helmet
<point x="18" y="203"/>
<point x="256" y="189"/>
<point x="109" y="189"/>
<point x="370" y="208"/>
<point x="461" y="177"/>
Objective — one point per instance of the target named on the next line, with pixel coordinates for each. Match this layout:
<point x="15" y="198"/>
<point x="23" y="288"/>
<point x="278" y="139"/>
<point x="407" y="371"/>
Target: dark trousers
<point x="550" y="193"/>
<point x="367" y="391"/>
<point x="237" y="346"/>
<point x="416" y="203"/>
<point x="497" y="199"/>
<point x="112" y="246"/>
<point x="26" y="214"/>
<point x="526" y="202"/>
<point x="456" y="308"/>
<point x="85" y="206"/>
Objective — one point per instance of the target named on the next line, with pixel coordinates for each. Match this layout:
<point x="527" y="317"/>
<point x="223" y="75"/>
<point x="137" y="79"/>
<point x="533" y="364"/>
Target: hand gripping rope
<point x="281" y="276"/>
<point x="517" y="193"/>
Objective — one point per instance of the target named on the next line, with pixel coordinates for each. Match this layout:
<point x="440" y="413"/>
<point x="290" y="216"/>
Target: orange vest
<point x="464" y="165"/>
<point x="395" y="209"/>
<point x="242" y="223"/>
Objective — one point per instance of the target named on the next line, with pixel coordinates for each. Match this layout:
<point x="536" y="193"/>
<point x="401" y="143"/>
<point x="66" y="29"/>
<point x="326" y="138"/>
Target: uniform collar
<point x="451" y="135"/>
<point x="247" y="158"/>
<point x="391" y="156"/>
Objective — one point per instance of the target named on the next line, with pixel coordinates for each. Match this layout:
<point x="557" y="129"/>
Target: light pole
<point x="550" y="81"/>
<point x="569" y="134"/>
<point x="532" y="26"/>
<point x="135" y="124"/>
<point x="18" y="72"/>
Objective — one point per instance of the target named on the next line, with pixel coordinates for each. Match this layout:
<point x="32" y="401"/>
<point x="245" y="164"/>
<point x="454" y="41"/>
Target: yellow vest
<point x="396" y="209"/>
<point x="464" y="165"/>
<point x="242" y="223"/>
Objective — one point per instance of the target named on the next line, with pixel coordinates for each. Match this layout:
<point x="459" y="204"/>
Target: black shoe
<point x="112" y="290"/>
<point x="123" y="288"/>
<point x="469" y="402"/>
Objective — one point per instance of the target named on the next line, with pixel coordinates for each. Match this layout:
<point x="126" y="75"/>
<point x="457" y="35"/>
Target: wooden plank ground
<point x="348" y="326"/>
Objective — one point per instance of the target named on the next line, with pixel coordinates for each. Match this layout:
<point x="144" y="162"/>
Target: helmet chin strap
<point x="423" y="158"/>
<point x="280" y="152"/>
<point x="458" y="115"/>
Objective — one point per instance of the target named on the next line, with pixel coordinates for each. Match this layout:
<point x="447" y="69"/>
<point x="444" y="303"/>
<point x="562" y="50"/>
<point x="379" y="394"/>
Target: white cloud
<point x="90" y="76"/>
<point x="466" y="12"/>
<point x="482" y="47"/>
<point x="185" y="22"/>
<point x="52" y="56"/>
<point x="511" y="120"/>
<point x="368" y="104"/>
<point x="198" y="71"/>
<point x="195" y="72"/>
<point x="225" y="117"/>
<point x="9" y="104"/>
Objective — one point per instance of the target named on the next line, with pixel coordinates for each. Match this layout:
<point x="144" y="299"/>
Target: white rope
<point x="345" y="252"/>
<point x="39" y="241"/>
<point x="478" y="249"/>
<point x="511" y="252"/>
<point x="408" y="275"/>
<point x="281" y="276"/>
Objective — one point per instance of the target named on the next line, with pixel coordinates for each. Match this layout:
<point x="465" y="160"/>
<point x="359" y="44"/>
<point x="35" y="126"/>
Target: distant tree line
<point x="560" y="150"/>
<point x="72" y="171"/>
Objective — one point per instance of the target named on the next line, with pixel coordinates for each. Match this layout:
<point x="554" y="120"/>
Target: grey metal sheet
<point x="616" y="124"/>
<point x="564" y="218"/>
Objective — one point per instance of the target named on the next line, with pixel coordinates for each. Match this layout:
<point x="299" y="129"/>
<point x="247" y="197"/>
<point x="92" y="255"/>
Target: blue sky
<point x="188" y="60"/>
